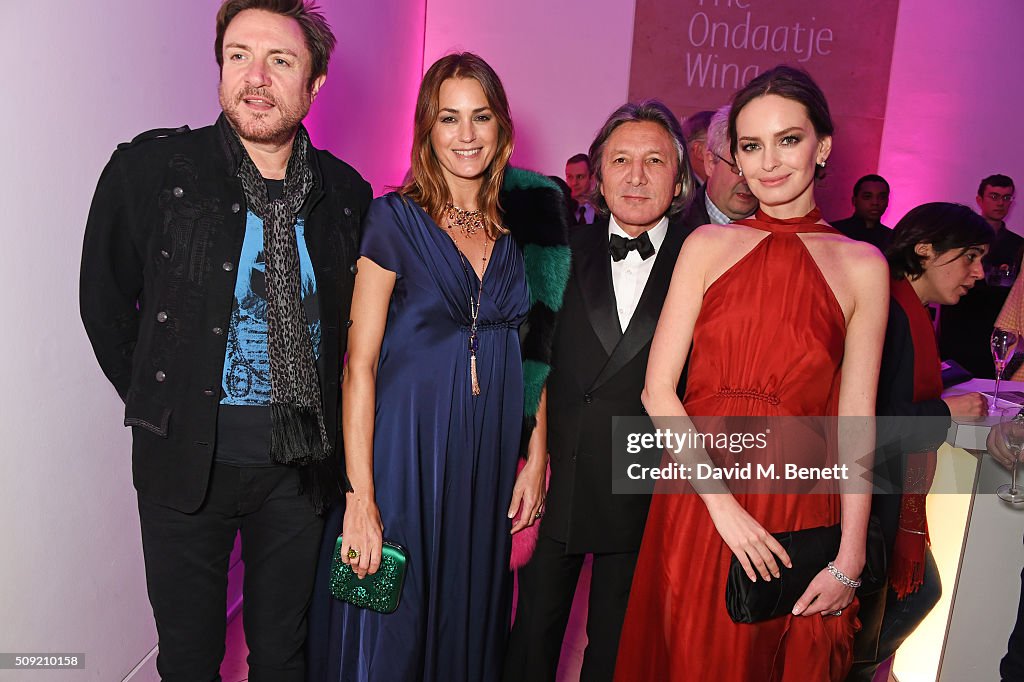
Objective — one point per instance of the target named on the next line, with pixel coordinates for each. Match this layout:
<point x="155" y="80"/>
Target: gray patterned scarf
<point x="298" y="437"/>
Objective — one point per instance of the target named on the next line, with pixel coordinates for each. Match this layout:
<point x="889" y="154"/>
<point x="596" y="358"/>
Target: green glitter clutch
<point x="378" y="592"/>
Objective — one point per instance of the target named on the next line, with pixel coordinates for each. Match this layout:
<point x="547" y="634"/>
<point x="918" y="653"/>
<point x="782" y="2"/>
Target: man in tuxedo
<point x="725" y="196"/>
<point x="621" y="269"/>
<point x="580" y="178"/>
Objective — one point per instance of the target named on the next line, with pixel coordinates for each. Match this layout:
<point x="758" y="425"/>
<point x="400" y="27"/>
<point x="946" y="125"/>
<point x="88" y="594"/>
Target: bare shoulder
<point x="717" y="237"/>
<point x="856" y="272"/>
<point x="863" y="260"/>
<point x="712" y="249"/>
<point x="848" y="254"/>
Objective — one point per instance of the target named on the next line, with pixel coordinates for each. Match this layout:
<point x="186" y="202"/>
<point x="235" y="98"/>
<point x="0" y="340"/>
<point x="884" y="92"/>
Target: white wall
<point x="86" y="76"/>
<point x="955" y="100"/>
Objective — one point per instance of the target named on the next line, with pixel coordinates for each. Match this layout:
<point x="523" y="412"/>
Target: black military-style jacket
<point x="162" y="242"/>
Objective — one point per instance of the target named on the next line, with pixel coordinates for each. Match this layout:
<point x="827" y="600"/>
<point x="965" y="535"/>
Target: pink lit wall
<point x="565" y="65"/>
<point x="364" y="112"/>
<point x="955" y="102"/>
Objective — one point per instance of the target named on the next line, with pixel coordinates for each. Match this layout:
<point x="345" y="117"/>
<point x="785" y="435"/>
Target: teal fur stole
<point x="534" y="212"/>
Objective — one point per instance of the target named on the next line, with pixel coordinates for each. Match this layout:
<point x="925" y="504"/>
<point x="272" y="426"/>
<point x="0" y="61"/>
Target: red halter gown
<point x="768" y="341"/>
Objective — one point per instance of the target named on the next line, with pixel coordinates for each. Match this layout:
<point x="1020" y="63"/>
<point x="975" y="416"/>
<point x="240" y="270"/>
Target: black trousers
<point x="186" y="558"/>
<point x="547" y="585"/>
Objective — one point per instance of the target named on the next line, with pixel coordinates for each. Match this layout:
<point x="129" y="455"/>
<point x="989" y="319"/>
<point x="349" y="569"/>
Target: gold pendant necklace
<point x="474" y="309"/>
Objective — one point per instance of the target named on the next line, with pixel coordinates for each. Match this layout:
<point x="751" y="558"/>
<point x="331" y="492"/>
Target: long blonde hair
<point x="426" y="185"/>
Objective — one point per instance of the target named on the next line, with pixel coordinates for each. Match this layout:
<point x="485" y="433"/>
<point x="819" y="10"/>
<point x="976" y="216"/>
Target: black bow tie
<point x="619" y="246"/>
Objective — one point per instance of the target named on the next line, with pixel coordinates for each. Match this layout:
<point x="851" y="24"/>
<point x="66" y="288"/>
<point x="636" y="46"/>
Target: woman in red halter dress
<point x="779" y="308"/>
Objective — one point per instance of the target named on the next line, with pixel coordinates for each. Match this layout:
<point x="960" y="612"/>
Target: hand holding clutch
<point x="380" y="591"/>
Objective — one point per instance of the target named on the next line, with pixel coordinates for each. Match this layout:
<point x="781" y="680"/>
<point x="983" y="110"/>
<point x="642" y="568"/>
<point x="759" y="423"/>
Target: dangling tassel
<point x="472" y="374"/>
<point x="473" y="345"/>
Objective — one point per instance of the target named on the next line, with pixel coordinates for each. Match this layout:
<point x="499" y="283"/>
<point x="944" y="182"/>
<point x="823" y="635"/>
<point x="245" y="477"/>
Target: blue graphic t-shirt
<point x="244" y="421"/>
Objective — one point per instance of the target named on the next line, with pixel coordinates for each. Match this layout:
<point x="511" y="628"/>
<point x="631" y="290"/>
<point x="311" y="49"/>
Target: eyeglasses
<point x="1008" y="198"/>
<point x="731" y="164"/>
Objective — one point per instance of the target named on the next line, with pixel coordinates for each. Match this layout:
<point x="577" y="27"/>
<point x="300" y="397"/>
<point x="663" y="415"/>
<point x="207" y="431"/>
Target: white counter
<point x="976" y="539"/>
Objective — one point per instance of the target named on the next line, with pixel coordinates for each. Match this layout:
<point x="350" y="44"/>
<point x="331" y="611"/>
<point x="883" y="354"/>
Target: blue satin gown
<point x="444" y="463"/>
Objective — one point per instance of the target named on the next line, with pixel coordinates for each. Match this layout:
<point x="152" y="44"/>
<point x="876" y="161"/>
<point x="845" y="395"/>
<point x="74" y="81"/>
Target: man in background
<point x="725" y="197"/>
<point x="995" y="197"/>
<point x="580" y="178"/>
<point x="695" y="131"/>
<point x="870" y="201"/>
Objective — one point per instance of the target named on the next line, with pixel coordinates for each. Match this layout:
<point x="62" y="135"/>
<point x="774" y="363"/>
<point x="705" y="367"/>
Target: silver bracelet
<point x="841" y="577"/>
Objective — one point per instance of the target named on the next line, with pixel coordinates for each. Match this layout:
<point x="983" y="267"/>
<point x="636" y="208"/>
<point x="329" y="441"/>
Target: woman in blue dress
<point x="441" y="396"/>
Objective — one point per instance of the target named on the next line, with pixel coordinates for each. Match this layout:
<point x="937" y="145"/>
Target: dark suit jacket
<point x="697" y="214"/>
<point x="158" y="273"/>
<point x="598" y="373"/>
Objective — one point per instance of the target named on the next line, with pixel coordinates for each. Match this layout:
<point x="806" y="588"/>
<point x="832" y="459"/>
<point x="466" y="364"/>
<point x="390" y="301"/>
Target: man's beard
<point x="263" y="127"/>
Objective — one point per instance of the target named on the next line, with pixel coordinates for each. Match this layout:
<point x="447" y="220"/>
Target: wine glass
<point x="1003" y="343"/>
<point x="1011" y="425"/>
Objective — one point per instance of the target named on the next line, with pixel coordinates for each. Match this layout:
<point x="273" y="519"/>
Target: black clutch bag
<point x="809" y="550"/>
<point x="378" y="592"/>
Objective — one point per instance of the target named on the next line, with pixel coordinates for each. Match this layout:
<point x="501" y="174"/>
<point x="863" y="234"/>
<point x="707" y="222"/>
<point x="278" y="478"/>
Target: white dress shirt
<point x="629" y="275"/>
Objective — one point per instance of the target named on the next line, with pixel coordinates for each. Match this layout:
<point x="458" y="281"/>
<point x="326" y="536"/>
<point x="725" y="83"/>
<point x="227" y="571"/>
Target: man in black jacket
<point x="622" y="265"/>
<point x="216" y="281"/>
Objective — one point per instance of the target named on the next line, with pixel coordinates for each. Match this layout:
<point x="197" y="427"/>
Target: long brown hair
<point x="427" y="185"/>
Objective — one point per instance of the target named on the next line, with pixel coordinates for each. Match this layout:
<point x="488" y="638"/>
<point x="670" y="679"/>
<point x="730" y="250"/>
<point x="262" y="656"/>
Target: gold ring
<point x="353" y="553"/>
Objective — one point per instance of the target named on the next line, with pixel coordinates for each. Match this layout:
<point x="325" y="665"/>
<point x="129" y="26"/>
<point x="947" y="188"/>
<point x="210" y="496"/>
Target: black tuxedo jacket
<point x="598" y="373"/>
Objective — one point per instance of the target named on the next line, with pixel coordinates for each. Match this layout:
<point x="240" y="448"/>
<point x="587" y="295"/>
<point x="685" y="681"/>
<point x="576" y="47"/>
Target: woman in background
<point x="434" y="391"/>
<point x="935" y="257"/>
<point x="777" y="308"/>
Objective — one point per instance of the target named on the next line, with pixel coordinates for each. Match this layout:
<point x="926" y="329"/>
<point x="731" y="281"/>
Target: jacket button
<point x="165" y="254"/>
<point x="587" y="398"/>
<point x="160" y="376"/>
<point x="348" y="323"/>
<point x="348" y="211"/>
<point x="178" y="192"/>
<point x="208" y="392"/>
<point x="353" y="268"/>
<point x="228" y="266"/>
<point x="217" y="330"/>
<point x="161" y="316"/>
<point x="235" y="207"/>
